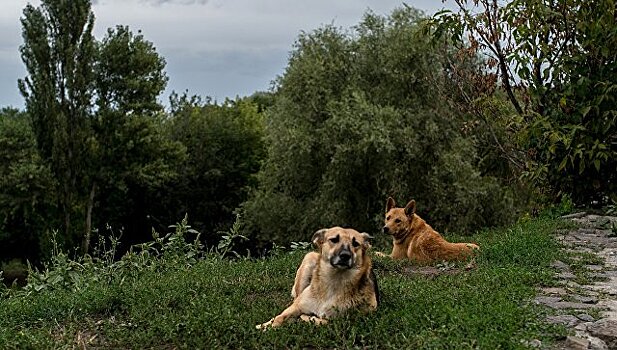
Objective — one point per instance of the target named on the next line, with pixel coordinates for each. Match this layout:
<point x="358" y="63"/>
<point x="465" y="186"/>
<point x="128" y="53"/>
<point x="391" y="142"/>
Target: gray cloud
<point x="217" y="48"/>
<point x="180" y="2"/>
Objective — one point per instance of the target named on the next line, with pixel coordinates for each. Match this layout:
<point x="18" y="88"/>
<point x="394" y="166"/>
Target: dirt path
<point x="586" y="299"/>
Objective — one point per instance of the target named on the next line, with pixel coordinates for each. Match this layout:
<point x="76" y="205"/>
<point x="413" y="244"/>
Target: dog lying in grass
<point x="336" y="278"/>
<point x="416" y="240"/>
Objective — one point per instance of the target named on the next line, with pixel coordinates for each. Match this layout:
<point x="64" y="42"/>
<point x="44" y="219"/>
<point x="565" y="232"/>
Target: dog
<point x="416" y="240"/>
<point x="338" y="277"/>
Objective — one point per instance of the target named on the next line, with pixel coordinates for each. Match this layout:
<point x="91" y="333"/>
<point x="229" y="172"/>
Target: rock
<point x="574" y="215"/>
<point x="597" y="343"/>
<point x="585" y="317"/>
<point x="560" y="305"/>
<point x="587" y="231"/>
<point x="576" y="343"/>
<point x="594" y="267"/>
<point x="560" y="265"/>
<point x="554" y="291"/>
<point x="585" y="299"/>
<point x="605" y="329"/>
<point x="566" y="275"/>
<point x="546" y="300"/>
<point x="572" y="284"/>
<point x="567" y="320"/>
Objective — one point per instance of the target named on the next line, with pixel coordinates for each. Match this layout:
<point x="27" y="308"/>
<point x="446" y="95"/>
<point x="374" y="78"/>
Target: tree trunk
<point x="85" y="244"/>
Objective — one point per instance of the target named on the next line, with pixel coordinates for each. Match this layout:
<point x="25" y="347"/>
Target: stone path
<point x="586" y="299"/>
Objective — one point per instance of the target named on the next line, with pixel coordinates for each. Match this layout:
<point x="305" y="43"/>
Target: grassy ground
<point x="181" y="302"/>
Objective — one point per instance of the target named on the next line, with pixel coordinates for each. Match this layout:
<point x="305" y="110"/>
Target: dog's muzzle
<point x="386" y="230"/>
<point x="343" y="259"/>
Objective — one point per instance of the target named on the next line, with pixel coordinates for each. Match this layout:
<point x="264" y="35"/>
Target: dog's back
<point x="427" y="245"/>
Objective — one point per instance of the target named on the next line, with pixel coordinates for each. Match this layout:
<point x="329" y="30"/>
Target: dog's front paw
<point x="313" y="319"/>
<point x="380" y="254"/>
<point x="264" y="326"/>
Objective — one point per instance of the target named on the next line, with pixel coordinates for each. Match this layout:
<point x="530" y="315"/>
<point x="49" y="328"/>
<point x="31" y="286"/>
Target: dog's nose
<point x="344" y="255"/>
<point x="386" y="229"/>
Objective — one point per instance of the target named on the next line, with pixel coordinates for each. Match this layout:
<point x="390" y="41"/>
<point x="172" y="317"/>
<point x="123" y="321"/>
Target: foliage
<point x="25" y="183"/>
<point x="59" y="53"/>
<point x="556" y="61"/>
<point x="178" y="302"/>
<point x="64" y="273"/>
<point x="129" y="73"/>
<point x="355" y="121"/>
<point x="224" y="145"/>
<point x="98" y="125"/>
<point x="226" y="244"/>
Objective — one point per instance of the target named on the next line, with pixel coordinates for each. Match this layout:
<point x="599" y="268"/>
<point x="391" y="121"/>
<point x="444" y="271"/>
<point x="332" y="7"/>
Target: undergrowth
<point x="174" y="293"/>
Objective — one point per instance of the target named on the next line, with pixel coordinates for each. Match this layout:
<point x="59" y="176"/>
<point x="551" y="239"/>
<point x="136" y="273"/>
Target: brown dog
<point x="415" y="240"/>
<point x="336" y="278"/>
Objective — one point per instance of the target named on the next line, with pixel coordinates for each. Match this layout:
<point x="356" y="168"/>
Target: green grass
<point x="215" y="303"/>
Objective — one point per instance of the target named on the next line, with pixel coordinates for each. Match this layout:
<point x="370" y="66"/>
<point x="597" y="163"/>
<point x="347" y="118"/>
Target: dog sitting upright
<point x="415" y="240"/>
<point x="336" y="278"/>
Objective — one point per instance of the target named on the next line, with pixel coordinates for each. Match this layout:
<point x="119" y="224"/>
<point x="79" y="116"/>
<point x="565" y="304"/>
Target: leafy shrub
<point x="171" y="250"/>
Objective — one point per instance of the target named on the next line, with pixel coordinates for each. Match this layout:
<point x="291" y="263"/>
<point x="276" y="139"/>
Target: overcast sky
<point x="217" y="48"/>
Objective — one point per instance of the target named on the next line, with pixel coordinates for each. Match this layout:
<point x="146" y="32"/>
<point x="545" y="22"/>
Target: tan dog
<point x="415" y="240"/>
<point x="335" y="279"/>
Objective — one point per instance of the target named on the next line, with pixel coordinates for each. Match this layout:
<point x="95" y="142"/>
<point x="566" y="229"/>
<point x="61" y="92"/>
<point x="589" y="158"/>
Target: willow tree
<point x="357" y="118"/>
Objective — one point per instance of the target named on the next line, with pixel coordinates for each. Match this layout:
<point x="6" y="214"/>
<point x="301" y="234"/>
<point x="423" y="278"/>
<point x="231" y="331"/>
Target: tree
<point x="225" y="148"/>
<point x="131" y="148"/>
<point x="556" y="61"/>
<point x="59" y="53"/>
<point x="129" y="73"/>
<point x="355" y="121"/>
<point x="95" y="112"/>
<point x="26" y="185"/>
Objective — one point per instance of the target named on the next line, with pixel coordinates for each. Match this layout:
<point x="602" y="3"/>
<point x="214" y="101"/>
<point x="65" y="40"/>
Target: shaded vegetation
<point x="169" y="293"/>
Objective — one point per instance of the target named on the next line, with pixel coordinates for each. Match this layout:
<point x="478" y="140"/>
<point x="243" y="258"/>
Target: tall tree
<point x="95" y="112"/>
<point x="59" y="53"/>
<point x="225" y="148"/>
<point x="130" y="145"/>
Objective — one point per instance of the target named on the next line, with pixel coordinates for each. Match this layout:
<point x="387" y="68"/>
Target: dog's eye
<point x="388" y="218"/>
<point x="355" y="243"/>
<point x="334" y="239"/>
<point x="397" y="221"/>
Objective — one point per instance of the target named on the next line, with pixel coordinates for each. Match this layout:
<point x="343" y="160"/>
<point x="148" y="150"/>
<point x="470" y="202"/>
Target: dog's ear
<point x="366" y="240"/>
<point x="390" y="203"/>
<point x="318" y="237"/>
<point x="410" y="208"/>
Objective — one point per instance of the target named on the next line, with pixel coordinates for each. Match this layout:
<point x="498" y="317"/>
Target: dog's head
<point x="398" y="220"/>
<point x="343" y="248"/>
